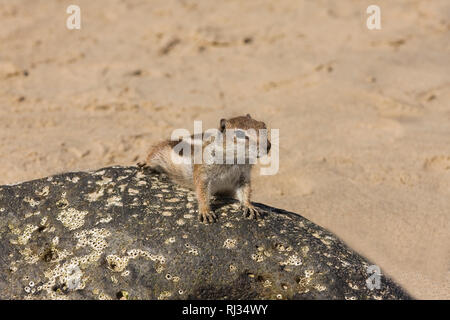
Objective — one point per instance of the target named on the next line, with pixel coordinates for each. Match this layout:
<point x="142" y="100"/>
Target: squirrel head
<point x="252" y="130"/>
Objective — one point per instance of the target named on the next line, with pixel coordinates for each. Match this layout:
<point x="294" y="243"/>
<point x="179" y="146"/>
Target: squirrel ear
<point x="249" y="116"/>
<point x="223" y="122"/>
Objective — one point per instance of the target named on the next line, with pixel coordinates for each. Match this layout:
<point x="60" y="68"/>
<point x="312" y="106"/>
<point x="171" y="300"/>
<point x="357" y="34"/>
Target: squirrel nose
<point x="268" y="146"/>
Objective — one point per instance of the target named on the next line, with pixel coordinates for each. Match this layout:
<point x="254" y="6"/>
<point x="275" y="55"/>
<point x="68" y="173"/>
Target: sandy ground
<point x="364" y="116"/>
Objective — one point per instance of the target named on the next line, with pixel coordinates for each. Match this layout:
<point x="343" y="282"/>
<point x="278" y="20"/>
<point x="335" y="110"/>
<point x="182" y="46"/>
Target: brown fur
<point x="208" y="179"/>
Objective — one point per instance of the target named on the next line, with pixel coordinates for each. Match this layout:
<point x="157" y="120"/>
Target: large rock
<point x="123" y="233"/>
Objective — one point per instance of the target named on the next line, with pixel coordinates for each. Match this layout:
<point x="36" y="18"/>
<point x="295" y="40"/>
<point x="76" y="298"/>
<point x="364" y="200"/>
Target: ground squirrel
<point x="230" y="177"/>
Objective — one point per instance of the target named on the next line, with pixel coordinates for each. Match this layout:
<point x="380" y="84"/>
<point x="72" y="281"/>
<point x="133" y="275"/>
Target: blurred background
<point x="364" y="116"/>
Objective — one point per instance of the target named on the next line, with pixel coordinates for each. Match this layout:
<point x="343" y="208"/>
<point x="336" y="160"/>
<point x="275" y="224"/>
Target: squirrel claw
<point x="207" y="217"/>
<point x="141" y="165"/>
<point x="251" y="212"/>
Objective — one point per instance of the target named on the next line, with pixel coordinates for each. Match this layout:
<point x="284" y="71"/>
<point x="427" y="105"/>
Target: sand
<point x="364" y="116"/>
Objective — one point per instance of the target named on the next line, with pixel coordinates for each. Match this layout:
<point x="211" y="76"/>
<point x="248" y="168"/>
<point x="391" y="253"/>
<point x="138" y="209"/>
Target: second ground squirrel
<point x="206" y="178"/>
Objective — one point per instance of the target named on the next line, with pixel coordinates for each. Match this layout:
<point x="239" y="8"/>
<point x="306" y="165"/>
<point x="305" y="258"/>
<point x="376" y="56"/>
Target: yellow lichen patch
<point x="353" y="286"/>
<point x="94" y="238"/>
<point x="73" y="180"/>
<point x="105" y="220"/>
<point x="293" y="260"/>
<point x="258" y="257"/>
<point x="72" y="218"/>
<point x="26" y="235"/>
<point x="114" y="201"/>
<point x="193" y="251"/>
<point x="31" y="202"/>
<point x="104" y="181"/>
<point x="94" y="196"/>
<point x="170" y="240"/>
<point x="320" y="287"/>
<point x="31" y="214"/>
<point x="44" y="192"/>
<point x="104" y="296"/>
<point x="309" y="273"/>
<point x="118" y="264"/>
<point x="267" y="284"/>
<point x="140" y="176"/>
<point x="230" y="243"/>
<point x="133" y="192"/>
<point x="180" y="222"/>
<point x="305" y="250"/>
<point x="164" y="295"/>
<point x="28" y="256"/>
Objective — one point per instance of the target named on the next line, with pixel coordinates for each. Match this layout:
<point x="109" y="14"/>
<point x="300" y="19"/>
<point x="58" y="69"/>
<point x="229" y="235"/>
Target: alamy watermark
<point x="374" y="20"/>
<point x="374" y="280"/>
<point x="74" y="20"/>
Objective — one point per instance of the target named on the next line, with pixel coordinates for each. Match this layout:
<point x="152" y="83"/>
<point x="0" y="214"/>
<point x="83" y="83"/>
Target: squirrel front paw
<point x="207" y="216"/>
<point x="251" y="212"/>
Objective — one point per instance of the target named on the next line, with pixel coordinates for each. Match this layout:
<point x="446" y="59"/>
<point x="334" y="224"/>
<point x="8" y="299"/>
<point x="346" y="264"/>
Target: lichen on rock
<point x="120" y="233"/>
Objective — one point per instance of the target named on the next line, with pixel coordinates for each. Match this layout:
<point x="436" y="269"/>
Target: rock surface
<point x="120" y="233"/>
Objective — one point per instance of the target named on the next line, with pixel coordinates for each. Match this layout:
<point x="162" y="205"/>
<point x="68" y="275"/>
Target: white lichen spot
<point x="105" y="220"/>
<point x="73" y="180"/>
<point x="164" y="295"/>
<point x="26" y="235"/>
<point x="267" y="284"/>
<point x="258" y="257"/>
<point x="114" y="201"/>
<point x="230" y="243"/>
<point x="32" y="214"/>
<point x="353" y="286"/>
<point x="33" y="203"/>
<point x="193" y="251"/>
<point x="118" y="264"/>
<point x="55" y="241"/>
<point x="104" y="296"/>
<point x="72" y="218"/>
<point x="94" y="196"/>
<point x="29" y="256"/>
<point x="293" y="260"/>
<point x="309" y="273"/>
<point x="188" y="216"/>
<point x="44" y="221"/>
<point x="320" y="287"/>
<point x="167" y="213"/>
<point x="44" y="192"/>
<point x="316" y="235"/>
<point x="170" y="240"/>
<point x="133" y="192"/>
<point x="181" y="222"/>
<point x="232" y="268"/>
